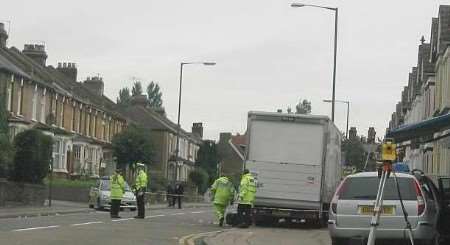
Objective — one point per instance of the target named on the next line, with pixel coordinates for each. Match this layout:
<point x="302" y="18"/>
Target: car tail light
<point x="335" y="199"/>
<point x="420" y="200"/>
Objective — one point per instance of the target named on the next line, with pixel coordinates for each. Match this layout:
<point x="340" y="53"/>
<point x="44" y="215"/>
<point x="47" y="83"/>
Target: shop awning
<point x="420" y="129"/>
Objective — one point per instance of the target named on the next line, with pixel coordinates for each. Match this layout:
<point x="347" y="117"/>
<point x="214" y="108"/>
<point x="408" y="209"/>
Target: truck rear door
<point x="286" y="158"/>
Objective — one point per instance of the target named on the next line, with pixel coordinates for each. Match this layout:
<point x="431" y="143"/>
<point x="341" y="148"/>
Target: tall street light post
<point x="333" y="97"/>
<point x="177" y="149"/>
<point x="348" y="111"/>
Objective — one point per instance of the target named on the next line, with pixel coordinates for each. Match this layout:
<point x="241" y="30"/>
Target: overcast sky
<point x="268" y="54"/>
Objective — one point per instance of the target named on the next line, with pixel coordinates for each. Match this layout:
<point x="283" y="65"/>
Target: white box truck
<point x="296" y="161"/>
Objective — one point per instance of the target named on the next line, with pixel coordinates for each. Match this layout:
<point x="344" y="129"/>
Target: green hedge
<point x="71" y="183"/>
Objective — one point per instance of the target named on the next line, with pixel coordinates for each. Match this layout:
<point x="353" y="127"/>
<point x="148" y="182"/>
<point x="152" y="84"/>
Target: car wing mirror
<point x="444" y="188"/>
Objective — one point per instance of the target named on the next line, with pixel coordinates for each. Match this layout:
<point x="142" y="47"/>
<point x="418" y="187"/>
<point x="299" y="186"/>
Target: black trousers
<point x="140" y="205"/>
<point x="244" y="214"/>
<point x="178" y="198"/>
<point x="115" y="207"/>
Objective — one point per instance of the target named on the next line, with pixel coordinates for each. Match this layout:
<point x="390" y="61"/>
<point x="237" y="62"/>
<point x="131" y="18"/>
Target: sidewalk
<point x="66" y="207"/>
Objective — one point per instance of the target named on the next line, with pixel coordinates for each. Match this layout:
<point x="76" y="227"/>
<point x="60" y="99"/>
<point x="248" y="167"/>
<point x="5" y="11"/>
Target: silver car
<point x="352" y="207"/>
<point x="99" y="196"/>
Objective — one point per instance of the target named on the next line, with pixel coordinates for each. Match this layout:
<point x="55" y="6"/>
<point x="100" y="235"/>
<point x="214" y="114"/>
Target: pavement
<point x="66" y="207"/>
<point x="160" y="227"/>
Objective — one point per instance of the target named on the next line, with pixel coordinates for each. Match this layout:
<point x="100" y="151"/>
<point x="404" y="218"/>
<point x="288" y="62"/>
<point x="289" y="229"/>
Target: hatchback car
<point x="353" y="203"/>
<point x="99" y="196"/>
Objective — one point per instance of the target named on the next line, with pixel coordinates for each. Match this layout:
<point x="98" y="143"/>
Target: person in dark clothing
<point x="169" y="196"/>
<point x="179" y="191"/>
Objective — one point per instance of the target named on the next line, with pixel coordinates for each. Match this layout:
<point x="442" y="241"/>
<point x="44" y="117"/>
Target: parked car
<point x="99" y="196"/>
<point x="352" y="207"/>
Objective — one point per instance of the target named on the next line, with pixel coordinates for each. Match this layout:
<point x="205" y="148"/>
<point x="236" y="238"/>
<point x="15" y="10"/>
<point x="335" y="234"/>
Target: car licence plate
<point x="368" y="210"/>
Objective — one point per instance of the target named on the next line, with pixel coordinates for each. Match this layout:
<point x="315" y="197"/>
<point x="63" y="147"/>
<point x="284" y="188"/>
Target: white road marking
<point x="37" y="228"/>
<point x="177" y="214"/>
<point x="198" y="212"/>
<point x="88" y="223"/>
<point x="116" y="220"/>
<point x="154" y="216"/>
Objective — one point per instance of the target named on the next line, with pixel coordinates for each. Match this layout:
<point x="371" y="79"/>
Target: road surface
<point x="161" y="227"/>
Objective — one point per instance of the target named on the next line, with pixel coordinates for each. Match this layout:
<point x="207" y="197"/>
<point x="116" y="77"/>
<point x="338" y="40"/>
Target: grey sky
<point x="268" y="54"/>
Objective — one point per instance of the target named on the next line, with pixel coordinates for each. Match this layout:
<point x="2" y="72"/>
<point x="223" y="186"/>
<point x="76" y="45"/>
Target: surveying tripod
<point x="388" y="155"/>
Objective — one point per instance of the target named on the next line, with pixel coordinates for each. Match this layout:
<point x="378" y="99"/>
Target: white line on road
<point x="116" y="220"/>
<point x="154" y="216"/>
<point x="88" y="223"/>
<point x="198" y="212"/>
<point x="37" y="228"/>
<point x="176" y="214"/>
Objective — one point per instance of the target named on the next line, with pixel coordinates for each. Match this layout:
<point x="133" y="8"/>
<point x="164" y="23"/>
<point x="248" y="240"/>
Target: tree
<point x="33" y="156"/>
<point x="303" y="107"/>
<point x="154" y="95"/>
<point x="6" y="149"/>
<point x="124" y="97"/>
<point x="200" y="179"/>
<point x="207" y="159"/>
<point x="354" y="153"/>
<point x="132" y="145"/>
<point x="137" y="89"/>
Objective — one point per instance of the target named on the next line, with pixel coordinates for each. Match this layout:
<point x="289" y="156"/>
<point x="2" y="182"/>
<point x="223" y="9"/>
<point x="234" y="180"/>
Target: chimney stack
<point x="36" y="52"/>
<point x="197" y="129"/>
<point x="3" y="35"/>
<point x="68" y="69"/>
<point x="353" y="133"/>
<point x="94" y="84"/>
<point x="160" y="110"/>
<point x="139" y="100"/>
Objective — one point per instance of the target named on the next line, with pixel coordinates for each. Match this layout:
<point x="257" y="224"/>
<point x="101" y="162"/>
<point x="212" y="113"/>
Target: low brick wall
<point x="22" y="193"/>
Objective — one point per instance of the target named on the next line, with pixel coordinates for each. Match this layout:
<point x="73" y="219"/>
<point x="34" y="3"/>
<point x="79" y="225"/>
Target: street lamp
<point x="177" y="149"/>
<point x="348" y="111"/>
<point x="299" y="5"/>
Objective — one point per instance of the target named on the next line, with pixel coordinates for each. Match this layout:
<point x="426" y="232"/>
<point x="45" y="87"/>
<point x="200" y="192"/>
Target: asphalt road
<point x="160" y="227"/>
<point x="303" y="235"/>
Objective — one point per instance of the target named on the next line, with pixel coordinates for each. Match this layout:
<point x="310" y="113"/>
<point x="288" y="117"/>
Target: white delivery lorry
<point x="296" y="161"/>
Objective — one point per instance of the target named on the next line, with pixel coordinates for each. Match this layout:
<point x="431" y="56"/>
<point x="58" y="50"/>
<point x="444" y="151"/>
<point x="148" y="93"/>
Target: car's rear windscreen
<point x="365" y="188"/>
<point x="106" y="187"/>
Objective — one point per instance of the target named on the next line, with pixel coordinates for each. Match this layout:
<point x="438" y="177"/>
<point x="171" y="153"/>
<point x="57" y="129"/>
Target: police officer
<point x="140" y="187"/>
<point x="117" y="189"/>
<point x="170" y="198"/>
<point x="179" y="191"/>
<point x="247" y="191"/>
<point x="222" y="192"/>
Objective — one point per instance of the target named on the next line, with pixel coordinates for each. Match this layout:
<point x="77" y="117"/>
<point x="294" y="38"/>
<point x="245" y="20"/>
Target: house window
<point x="62" y="112"/>
<point x="35" y="97"/>
<point x="80" y="119"/>
<point x="73" y="115"/>
<point x="11" y="94"/>
<point x="56" y="154"/>
<point x="43" y="105"/>
<point x="94" y="125"/>
<point x="88" y="124"/>
<point x="104" y="128"/>
<point x="55" y="122"/>
<point x="20" y="99"/>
